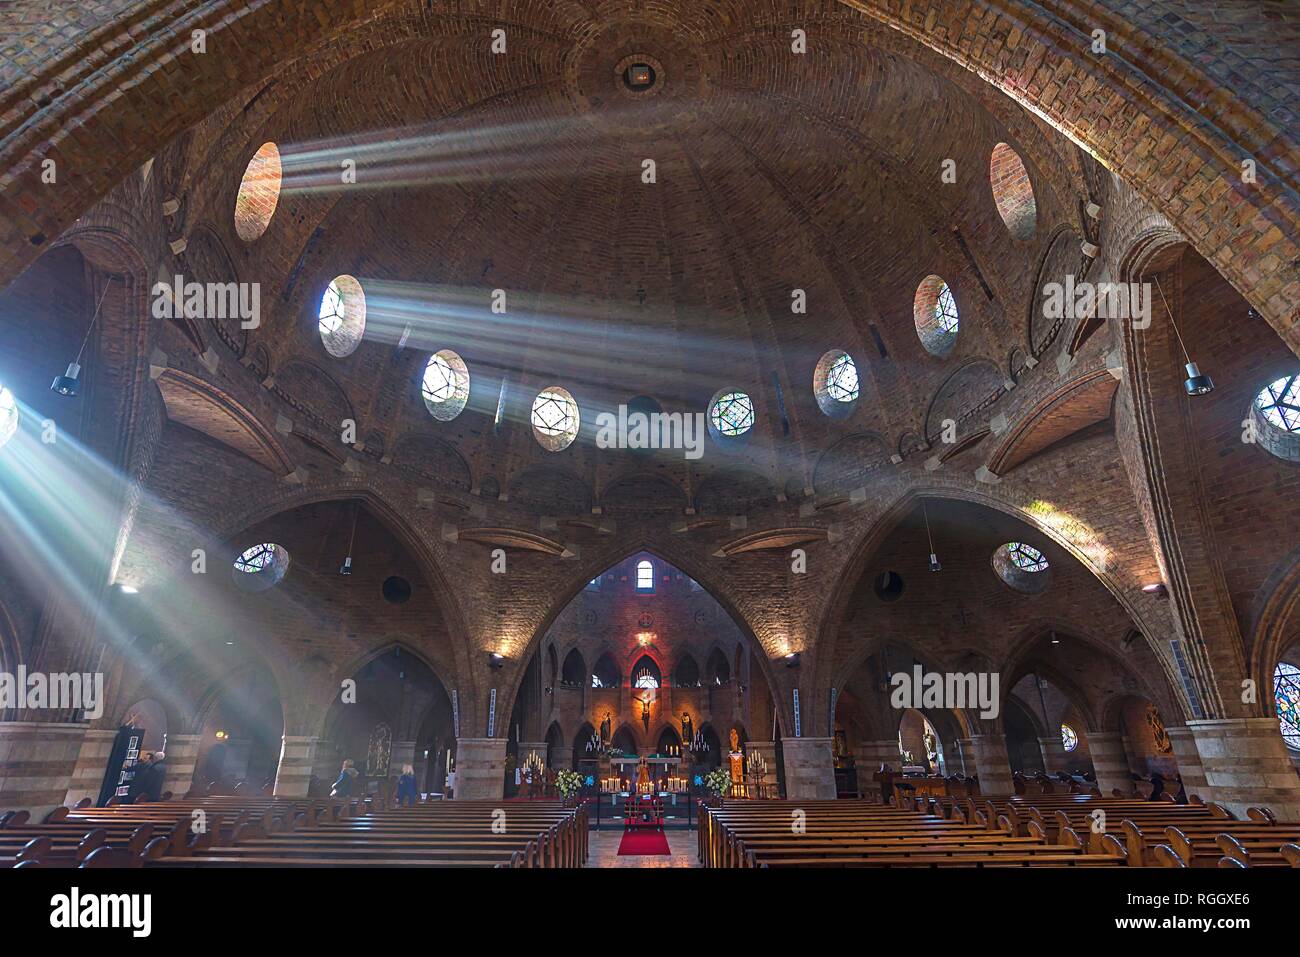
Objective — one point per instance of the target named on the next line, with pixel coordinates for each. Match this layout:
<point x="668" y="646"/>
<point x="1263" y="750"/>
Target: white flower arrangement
<point x="568" y="783"/>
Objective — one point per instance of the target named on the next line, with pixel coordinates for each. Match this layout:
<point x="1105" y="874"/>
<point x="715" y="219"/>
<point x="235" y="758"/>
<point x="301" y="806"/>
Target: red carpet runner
<point x="643" y="843"/>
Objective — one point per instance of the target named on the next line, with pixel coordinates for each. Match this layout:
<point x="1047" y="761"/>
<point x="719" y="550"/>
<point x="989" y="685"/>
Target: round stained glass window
<point x="732" y="414"/>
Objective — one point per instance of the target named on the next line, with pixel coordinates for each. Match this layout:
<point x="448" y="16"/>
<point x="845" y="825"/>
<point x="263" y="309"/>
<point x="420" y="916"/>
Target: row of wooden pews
<point x="1145" y="833"/>
<point x="857" y="834"/>
<point x="277" y="832"/>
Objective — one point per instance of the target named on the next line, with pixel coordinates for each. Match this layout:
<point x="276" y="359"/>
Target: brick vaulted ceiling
<point x="522" y="171"/>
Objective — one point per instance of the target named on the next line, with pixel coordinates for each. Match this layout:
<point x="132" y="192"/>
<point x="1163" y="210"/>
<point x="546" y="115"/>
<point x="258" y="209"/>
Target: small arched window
<point x="574" y="670"/>
<point x="604" y="674"/>
<point x="1286" y="694"/>
<point x="645" y="674"/>
<point x="1069" y="737"/>
<point x="645" y="575"/>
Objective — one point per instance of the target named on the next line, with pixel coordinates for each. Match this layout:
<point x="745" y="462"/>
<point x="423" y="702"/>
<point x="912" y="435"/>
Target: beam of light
<point x="1076" y="533"/>
<point x="454" y="151"/>
<point x="62" y="536"/>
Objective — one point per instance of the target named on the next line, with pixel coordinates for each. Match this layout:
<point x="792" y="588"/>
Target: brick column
<point x="1054" y="757"/>
<point x="480" y="768"/>
<point x="1246" y="763"/>
<point x="991" y="764"/>
<point x="561" y="759"/>
<point x="293" y="776"/>
<point x="1189" y="760"/>
<point x="868" y="756"/>
<point x="37" y="759"/>
<point x="182" y="752"/>
<point x="963" y="762"/>
<point x="401" y="753"/>
<point x="809" y="768"/>
<point x="91" y="766"/>
<point x="1109" y="762"/>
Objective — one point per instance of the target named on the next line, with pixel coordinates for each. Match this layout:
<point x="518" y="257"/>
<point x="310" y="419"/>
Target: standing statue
<point x="604" y="729"/>
<point x="688" y="729"/>
<point x="737" y="759"/>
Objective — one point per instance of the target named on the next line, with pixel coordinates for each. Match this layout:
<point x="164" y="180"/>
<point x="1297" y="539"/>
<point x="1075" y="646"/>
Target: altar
<point x="656" y="773"/>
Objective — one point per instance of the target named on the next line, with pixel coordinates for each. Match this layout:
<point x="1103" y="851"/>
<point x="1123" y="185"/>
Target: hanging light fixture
<point x="346" y="567"/>
<point x="68" y="383"/>
<point x="1196" y="383"/>
<point x="934" y="559"/>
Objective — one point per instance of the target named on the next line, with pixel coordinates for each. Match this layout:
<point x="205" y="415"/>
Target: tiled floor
<point x="604" y="851"/>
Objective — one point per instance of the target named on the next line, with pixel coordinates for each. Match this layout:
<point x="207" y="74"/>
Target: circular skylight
<point x="342" y="316"/>
<point x="260" y="566"/>
<point x="935" y="313"/>
<point x="555" y="418"/>
<point x="1026" y="557"/>
<point x="1275" y="414"/>
<point x="259" y="193"/>
<point x="445" y="386"/>
<point x="1013" y="193"/>
<point x="1022" y="567"/>
<point x="732" y="414"/>
<point x="8" y="415"/>
<point x="835" y="383"/>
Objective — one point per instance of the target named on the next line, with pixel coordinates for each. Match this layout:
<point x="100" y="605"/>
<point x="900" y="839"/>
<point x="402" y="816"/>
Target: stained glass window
<point x="733" y="413"/>
<point x="8" y="415"/>
<point x="341" y="319"/>
<point x="1069" y="737"/>
<point x="1286" y="692"/>
<point x="842" y="379"/>
<point x="331" y="309"/>
<point x="1279" y="403"/>
<point x="555" y="418"/>
<point x="645" y="674"/>
<point x="945" y="310"/>
<point x="256" y="559"/>
<point x="1026" y="557"/>
<point x="645" y="575"/>
<point x="445" y="386"/>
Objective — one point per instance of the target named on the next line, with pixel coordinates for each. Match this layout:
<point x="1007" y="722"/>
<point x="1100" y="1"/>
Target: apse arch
<point x="661" y="555"/>
<point x="1023" y="659"/>
<point x="396" y="522"/>
<point x="835" y="609"/>
<point x="326" y="707"/>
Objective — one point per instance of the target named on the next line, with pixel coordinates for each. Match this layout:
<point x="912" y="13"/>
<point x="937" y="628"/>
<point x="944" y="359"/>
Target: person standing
<point x="406" y="787"/>
<point x="343" y="786"/>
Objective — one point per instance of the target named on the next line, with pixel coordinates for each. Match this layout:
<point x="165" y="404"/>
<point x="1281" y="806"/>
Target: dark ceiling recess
<point x="888" y="586"/>
<point x="397" y="590"/>
<point x="639" y="77"/>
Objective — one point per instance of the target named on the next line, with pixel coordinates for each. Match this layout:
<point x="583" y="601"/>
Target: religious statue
<point x="688" y="729"/>
<point x="645" y="714"/>
<point x="737" y="759"/>
<point x="604" y="729"/>
<point x="643" y="785"/>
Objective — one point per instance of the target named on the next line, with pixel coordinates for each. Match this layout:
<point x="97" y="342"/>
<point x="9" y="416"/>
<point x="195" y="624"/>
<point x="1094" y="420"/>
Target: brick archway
<point x="85" y="106"/>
